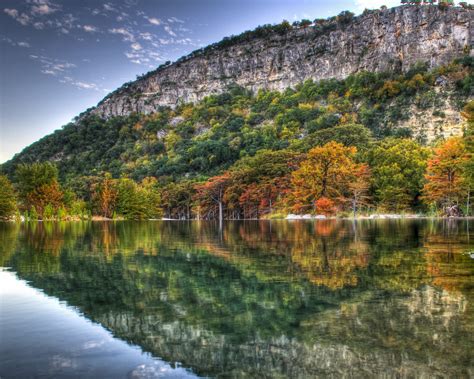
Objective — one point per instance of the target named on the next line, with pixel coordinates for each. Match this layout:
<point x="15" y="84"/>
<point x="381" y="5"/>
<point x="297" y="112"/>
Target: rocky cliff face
<point x="391" y="39"/>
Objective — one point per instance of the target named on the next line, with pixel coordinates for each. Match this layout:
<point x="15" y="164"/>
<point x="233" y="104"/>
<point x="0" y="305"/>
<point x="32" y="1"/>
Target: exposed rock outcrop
<point x="390" y="39"/>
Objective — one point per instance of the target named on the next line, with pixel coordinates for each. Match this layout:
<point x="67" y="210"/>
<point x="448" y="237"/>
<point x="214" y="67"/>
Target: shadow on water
<point x="267" y="299"/>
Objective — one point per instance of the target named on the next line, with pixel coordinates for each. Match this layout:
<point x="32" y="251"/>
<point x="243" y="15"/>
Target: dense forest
<point x="329" y="147"/>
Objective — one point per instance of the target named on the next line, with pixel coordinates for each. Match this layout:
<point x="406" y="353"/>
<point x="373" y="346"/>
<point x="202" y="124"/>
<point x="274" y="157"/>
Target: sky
<point x="60" y="57"/>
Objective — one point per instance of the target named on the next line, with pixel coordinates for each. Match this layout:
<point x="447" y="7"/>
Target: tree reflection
<point x="267" y="298"/>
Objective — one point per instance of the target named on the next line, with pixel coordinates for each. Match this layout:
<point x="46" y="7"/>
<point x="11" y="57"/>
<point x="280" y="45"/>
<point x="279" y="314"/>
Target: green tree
<point x="38" y="186"/>
<point x="138" y="201"/>
<point x="7" y="199"/>
<point x="398" y="167"/>
<point x="29" y="177"/>
<point x="468" y="113"/>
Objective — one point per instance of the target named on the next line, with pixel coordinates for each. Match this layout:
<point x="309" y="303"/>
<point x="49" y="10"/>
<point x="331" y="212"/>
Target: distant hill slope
<point x="281" y="56"/>
<point x="202" y="139"/>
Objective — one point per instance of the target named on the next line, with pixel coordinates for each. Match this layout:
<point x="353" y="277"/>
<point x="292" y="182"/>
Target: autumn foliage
<point x="445" y="184"/>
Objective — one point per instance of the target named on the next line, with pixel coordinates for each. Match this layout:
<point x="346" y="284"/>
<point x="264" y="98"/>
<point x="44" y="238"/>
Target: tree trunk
<point x="468" y="203"/>
<point x="221" y="212"/>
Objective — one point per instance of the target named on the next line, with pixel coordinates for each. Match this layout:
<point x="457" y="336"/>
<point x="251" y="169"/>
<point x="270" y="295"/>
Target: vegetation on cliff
<point x="244" y="155"/>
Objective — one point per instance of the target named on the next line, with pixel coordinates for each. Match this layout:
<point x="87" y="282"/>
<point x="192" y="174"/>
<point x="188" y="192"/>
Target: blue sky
<point x="59" y="58"/>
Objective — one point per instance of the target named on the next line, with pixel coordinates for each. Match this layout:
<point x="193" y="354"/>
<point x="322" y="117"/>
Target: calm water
<point x="254" y="299"/>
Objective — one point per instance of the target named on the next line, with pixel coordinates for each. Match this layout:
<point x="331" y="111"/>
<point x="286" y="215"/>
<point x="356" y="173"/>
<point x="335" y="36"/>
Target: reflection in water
<point x="267" y="299"/>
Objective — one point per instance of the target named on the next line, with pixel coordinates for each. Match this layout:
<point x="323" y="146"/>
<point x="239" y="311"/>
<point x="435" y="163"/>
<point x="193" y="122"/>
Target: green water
<point x="302" y="299"/>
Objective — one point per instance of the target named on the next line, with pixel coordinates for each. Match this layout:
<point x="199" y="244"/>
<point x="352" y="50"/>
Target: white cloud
<point x="89" y="28"/>
<point x="13" y="43"/>
<point x="79" y="83"/>
<point x="85" y="85"/>
<point x="146" y="36"/>
<point x="136" y="46"/>
<point x="174" y="19"/>
<point x="43" y="9"/>
<point x="22" y="18"/>
<point x="52" y="66"/>
<point x="170" y="31"/>
<point x="127" y="36"/>
<point x="11" y="12"/>
<point x="109" y="7"/>
<point x="153" y="20"/>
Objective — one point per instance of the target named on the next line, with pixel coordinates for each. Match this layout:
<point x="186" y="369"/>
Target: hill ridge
<point x="377" y="41"/>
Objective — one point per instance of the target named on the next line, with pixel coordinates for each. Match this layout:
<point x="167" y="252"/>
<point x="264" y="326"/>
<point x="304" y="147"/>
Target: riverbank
<point x="290" y="217"/>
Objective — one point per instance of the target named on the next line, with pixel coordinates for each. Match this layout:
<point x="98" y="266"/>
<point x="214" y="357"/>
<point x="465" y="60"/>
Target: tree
<point x="38" y="187"/>
<point x="359" y="186"/>
<point x="105" y="195"/>
<point x="212" y="192"/>
<point x="259" y="182"/>
<point x="325" y="206"/>
<point x="398" y="167"/>
<point x="31" y="176"/>
<point x="325" y="172"/>
<point x="468" y="113"/>
<point x="177" y="199"/>
<point x="47" y="197"/>
<point x="445" y="185"/>
<point x="7" y="199"/>
<point x="137" y="201"/>
<point x="349" y="135"/>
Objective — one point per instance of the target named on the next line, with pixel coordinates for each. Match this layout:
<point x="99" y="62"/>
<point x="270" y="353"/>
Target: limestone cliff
<point x="390" y="39"/>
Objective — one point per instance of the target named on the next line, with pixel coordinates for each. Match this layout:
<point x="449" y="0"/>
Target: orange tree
<point x="445" y="184"/>
<point x="104" y="194"/>
<point x="359" y="186"/>
<point x="326" y="172"/>
<point x="210" y="196"/>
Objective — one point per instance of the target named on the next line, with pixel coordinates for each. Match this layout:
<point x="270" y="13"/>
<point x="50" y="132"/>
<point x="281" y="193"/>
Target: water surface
<point x="298" y="299"/>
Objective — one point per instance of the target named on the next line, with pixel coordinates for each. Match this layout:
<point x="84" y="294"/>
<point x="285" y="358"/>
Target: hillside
<point x="282" y="56"/>
<point x="207" y="137"/>
<point x="257" y="139"/>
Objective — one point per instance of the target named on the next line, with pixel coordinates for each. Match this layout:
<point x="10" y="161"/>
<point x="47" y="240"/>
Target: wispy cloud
<point x="136" y="46"/>
<point x="89" y="28"/>
<point x="153" y="20"/>
<point x="148" y="37"/>
<point x="126" y="34"/>
<point x="44" y="8"/>
<point x="109" y="7"/>
<point x="37" y="13"/>
<point x="16" y="43"/>
<point x="52" y="66"/>
<point x="79" y="84"/>
<point x="22" y="18"/>
<point x="170" y="31"/>
<point x="175" y="19"/>
<point x="62" y="70"/>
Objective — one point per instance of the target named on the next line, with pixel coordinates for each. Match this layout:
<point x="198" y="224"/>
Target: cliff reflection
<point x="292" y="299"/>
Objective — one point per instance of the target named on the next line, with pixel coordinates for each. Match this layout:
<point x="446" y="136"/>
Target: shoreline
<point x="297" y="218"/>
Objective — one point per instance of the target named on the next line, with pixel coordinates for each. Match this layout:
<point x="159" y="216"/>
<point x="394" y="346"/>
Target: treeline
<point x="394" y="174"/>
<point x="37" y="195"/>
